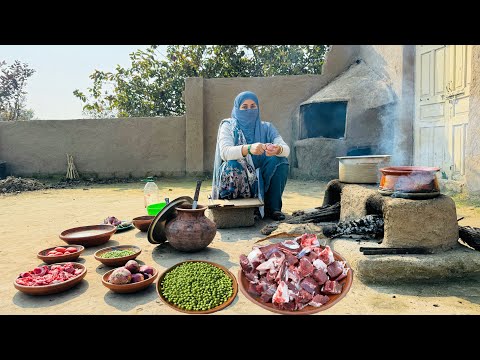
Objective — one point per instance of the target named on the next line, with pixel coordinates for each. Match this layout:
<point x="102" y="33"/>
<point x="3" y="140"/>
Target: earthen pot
<point x="409" y="179"/>
<point x="190" y="230"/>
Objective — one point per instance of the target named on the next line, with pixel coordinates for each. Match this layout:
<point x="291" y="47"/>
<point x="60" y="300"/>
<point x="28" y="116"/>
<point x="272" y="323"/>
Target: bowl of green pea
<point x="117" y="255"/>
<point x="197" y="287"/>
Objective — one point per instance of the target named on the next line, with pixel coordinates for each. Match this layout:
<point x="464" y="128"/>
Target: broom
<point x="72" y="172"/>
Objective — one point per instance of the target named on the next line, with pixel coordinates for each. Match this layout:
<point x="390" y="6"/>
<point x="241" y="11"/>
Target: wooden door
<point x="442" y="89"/>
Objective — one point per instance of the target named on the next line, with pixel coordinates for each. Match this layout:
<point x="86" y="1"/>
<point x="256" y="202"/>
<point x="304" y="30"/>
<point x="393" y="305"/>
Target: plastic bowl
<point x="154" y="209"/>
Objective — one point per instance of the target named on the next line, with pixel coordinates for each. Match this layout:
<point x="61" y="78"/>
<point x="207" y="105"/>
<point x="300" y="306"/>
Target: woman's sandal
<point x="277" y="216"/>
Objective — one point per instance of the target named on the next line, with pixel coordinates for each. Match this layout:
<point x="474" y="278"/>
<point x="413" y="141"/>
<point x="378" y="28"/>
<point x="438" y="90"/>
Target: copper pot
<point x="190" y="230"/>
<point x="406" y="179"/>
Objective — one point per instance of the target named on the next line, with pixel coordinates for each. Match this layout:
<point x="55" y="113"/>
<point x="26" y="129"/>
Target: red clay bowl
<point x="143" y="222"/>
<point x="54" y="288"/>
<point x="128" y="288"/>
<point x="119" y="261"/>
<point x="87" y="236"/>
<point x="42" y="255"/>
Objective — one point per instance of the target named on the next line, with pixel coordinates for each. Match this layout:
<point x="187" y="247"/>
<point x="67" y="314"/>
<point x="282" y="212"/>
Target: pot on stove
<point x="409" y="179"/>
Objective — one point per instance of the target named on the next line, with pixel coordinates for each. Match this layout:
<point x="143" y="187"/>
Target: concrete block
<point x="428" y="223"/>
<point x="353" y="202"/>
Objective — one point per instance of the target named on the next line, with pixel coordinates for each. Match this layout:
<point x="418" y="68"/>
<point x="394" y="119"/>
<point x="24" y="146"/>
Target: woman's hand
<point x="257" y="148"/>
<point x="272" y="149"/>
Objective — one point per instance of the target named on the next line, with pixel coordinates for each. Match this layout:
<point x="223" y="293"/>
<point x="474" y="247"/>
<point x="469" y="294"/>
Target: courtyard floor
<point x="32" y="221"/>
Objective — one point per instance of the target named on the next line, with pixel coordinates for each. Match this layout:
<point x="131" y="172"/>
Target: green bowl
<point x="154" y="209"/>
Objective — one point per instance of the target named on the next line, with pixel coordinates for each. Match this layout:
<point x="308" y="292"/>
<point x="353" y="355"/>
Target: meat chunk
<point x="320" y="276"/>
<point x="271" y="276"/>
<point x="289" y="306"/>
<point x="310" y="285"/>
<point x="327" y="255"/>
<point x="312" y="256"/>
<point x="268" y="265"/>
<point x="252" y="276"/>
<point x="245" y="264"/>
<point x="281" y="294"/>
<point x="253" y="290"/>
<point x="319" y="300"/>
<point x="309" y="240"/>
<point x="291" y="244"/>
<point x="291" y="286"/>
<point x="335" y="269"/>
<point x="320" y="265"/>
<point x="304" y="297"/>
<point x="332" y="287"/>
<point x="306" y="268"/>
<point x="343" y="275"/>
<point x="291" y="259"/>
<point x="268" y="250"/>
<point x="255" y="257"/>
<point x="293" y="274"/>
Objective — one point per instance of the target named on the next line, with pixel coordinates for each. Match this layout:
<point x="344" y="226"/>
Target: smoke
<point x="396" y="135"/>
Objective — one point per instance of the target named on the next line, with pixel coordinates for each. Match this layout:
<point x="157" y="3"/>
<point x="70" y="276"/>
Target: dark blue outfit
<point x="259" y="176"/>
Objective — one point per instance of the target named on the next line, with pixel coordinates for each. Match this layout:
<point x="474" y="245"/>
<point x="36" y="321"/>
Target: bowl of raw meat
<point x="296" y="276"/>
<point x="50" y="279"/>
<point x="60" y="254"/>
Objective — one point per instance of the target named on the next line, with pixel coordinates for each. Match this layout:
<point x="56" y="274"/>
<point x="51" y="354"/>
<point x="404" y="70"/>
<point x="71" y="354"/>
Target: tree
<point x="154" y="83"/>
<point x="13" y="80"/>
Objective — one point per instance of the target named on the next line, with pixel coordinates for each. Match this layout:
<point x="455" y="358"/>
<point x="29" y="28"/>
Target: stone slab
<point x="231" y="217"/>
<point x="459" y="262"/>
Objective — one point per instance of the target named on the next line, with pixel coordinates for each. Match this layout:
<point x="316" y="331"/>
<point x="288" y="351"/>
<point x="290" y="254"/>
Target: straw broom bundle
<point x="72" y="172"/>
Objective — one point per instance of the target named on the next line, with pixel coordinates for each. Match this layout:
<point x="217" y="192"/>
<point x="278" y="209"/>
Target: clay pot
<point x="409" y="179"/>
<point x="190" y="230"/>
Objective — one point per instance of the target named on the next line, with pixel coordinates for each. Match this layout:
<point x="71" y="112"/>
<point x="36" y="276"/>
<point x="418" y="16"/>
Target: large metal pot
<point x="361" y="169"/>
<point x="409" y="179"/>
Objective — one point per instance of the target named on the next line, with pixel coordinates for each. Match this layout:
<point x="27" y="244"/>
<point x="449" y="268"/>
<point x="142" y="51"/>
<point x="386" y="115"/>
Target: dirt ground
<point x="32" y="221"/>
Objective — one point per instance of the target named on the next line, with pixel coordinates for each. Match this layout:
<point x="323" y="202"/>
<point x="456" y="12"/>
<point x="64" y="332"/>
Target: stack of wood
<point x="470" y="235"/>
<point x="72" y="172"/>
<point x="319" y="214"/>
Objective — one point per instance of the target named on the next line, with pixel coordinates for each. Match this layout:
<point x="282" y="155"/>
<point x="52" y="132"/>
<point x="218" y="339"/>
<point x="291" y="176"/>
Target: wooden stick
<point x="282" y="234"/>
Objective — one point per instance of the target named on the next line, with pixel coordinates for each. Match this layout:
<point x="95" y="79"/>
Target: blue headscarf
<point x="254" y="130"/>
<point x="248" y="120"/>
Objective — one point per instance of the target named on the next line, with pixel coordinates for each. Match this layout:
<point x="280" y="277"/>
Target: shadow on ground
<point x="464" y="288"/>
<point x="93" y="249"/>
<point x="166" y="256"/>
<point x="29" y="301"/>
<point x="127" y="302"/>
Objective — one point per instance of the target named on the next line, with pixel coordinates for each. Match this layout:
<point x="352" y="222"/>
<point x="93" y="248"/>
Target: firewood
<point x="321" y="214"/>
<point x="470" y="235"/>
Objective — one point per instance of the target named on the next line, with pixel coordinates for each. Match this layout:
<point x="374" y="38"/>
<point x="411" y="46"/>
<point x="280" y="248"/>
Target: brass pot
<point x="190" y="230"/>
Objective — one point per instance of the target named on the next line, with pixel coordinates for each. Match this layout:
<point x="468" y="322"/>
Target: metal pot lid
<point x="156" y="230"/>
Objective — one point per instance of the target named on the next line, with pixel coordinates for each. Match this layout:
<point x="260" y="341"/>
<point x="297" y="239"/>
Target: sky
<point x="60" y="69"/>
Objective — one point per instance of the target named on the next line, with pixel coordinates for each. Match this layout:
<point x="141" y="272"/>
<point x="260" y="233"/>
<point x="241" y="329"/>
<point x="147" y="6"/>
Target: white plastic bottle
<point x="151" y="194"/>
